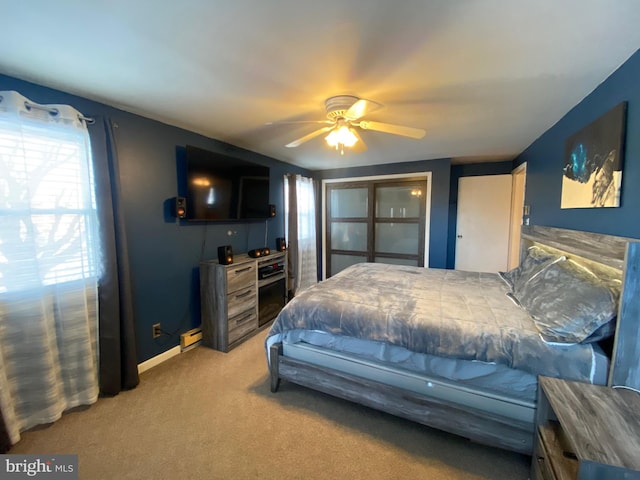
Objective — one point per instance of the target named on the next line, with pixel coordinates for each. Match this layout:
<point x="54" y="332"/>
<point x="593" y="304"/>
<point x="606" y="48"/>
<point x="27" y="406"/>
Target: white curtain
<point x="300" y="225"/>
<point x="48" y="264"/>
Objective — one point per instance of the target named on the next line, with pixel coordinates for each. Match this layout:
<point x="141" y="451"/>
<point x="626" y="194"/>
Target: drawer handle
<point x="244" y="319"/>
<point x="245" y="269"/>
<point x="245" y="294"/>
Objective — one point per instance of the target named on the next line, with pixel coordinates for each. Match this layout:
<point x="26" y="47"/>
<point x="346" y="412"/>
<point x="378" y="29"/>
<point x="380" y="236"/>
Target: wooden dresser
<point x="229" y="299"/>
<point x="586" y="431"/>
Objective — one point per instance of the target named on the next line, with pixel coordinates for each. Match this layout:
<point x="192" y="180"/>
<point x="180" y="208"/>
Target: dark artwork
<point x="592" y="173"/>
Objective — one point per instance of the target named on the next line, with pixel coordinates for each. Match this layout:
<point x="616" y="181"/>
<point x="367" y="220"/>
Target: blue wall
<point x="441" y="170"/>
<point x="545" y="160"/>
<point x="164" y="253"/>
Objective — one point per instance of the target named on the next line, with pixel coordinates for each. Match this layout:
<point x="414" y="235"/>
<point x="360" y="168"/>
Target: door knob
<point x="459" y="236"/>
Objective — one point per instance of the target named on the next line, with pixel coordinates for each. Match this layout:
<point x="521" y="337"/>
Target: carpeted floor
<point x="210" y="415"/>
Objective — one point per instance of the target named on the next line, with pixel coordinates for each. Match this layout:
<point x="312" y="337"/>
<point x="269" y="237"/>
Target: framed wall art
<point x="592" y="172"/>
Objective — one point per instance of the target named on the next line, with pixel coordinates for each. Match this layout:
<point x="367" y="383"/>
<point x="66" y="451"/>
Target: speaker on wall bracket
<point x="179" y="207"/>
<point x="272" y="210"/>
<point x="225" y="255"/>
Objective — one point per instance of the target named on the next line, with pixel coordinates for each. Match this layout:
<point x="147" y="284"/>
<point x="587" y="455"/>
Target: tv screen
<point x="223" y="188"/>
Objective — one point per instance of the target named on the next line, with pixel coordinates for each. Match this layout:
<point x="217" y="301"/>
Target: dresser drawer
<point x="242" y="324"/>
<point x="241" y="276"/>
<point x="241" y="300"/>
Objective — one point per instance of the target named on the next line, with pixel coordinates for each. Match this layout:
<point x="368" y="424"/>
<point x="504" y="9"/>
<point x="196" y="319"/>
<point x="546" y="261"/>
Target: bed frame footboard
<point x="480" y="426"/>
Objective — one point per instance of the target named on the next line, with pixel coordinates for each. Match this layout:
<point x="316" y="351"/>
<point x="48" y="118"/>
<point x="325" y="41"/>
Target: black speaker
<point x="272" y="210"/>
<point x="225" y="255"/>
<point x="255" y="253"/>
<point x="281" y="244"/>
<point x="180" y="207"/>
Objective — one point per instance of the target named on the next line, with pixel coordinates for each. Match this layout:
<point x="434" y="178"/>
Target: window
<point x="300" y="228"/>
<point x="305" y="208"/>
<point x="48" y="217"/>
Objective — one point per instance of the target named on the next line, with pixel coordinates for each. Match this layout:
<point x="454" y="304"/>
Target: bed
<point x="461" y="351"/>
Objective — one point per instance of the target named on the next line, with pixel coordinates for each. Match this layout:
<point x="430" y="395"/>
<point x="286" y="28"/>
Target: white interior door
<point x="518" y="181"/>
<point x="484" y="210"/>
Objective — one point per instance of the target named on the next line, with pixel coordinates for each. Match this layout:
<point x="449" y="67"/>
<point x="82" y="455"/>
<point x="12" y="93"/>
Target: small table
<point x="586" y="431"/>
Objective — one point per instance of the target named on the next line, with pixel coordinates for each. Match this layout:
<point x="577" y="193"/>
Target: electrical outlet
<point x="157" y="331"/>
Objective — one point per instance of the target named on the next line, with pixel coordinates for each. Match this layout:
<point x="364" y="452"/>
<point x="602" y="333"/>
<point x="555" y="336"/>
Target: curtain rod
<point x="53" y="111"/>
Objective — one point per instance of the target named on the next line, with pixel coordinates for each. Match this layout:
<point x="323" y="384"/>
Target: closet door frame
<point x="352" y="181"/>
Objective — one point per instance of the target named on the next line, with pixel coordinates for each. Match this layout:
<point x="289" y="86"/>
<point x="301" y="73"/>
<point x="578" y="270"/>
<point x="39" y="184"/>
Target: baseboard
<point x="158" y="359"/>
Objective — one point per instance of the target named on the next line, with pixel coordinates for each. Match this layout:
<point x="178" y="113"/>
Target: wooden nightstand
<point x="586" y="431"/>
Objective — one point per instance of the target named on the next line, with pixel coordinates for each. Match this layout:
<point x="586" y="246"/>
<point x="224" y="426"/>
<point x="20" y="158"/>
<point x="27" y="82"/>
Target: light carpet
<point x="210" y="415"/>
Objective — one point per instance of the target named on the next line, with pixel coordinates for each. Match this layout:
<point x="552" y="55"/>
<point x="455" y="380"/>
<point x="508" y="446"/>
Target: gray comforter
<point x="448" y="313"/>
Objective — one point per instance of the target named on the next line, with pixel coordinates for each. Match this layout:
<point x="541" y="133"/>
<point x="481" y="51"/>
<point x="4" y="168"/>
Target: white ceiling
<point x="485" y="78"/>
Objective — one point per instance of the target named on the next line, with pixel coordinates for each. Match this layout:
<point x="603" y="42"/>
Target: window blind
<point x="48" y="221"/>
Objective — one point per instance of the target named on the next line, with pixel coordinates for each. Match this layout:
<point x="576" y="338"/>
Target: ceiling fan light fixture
<point x="341" y="137"/>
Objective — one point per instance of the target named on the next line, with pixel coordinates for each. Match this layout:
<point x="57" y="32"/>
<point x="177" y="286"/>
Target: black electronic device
<point x="272" y="210"/>
<point x="270" y="270"/>
<point x="281" y="244"/>
<point x="225" y="255"/>
<point x="225" y="188"/>
<point x="259" y="252"/>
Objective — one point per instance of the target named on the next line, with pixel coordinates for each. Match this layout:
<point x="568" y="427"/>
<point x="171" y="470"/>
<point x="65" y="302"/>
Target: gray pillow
<point x="567" y="302"/>
<point x="534" y="261"/>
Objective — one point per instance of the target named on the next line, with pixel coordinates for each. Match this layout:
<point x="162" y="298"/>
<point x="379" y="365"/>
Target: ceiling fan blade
<point x="411" y="132"/>
<point x="329" y="122"/>
<point x="361" y="108"/>
<point x="308" y="137"/>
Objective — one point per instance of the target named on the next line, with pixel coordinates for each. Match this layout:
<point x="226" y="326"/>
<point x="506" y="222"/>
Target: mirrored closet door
<point x="375" y="221"/>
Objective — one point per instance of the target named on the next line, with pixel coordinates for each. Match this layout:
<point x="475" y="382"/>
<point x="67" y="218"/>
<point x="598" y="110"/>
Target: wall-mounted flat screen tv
<point x="224" y="188"/>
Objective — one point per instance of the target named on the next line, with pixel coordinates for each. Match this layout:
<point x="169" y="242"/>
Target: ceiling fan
<point x="344" y="117"/>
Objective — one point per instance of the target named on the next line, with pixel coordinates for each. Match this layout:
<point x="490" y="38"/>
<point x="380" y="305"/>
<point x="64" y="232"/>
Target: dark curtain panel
<point x="118" y="367"/>
<point x="5" y="443"/>
<point x="292" y="236"/>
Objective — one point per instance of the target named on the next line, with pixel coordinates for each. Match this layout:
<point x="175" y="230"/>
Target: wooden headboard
<point x="615" y="259"/>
